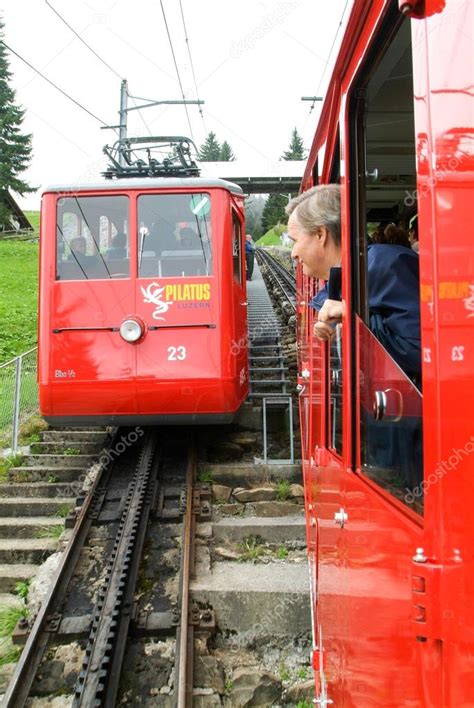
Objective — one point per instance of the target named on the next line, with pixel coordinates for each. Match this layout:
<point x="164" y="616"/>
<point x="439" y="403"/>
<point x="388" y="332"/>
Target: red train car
<point x="142" y="293"/>
<point x="392" y="562"/>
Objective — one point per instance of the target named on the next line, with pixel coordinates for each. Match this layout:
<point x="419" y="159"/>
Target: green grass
<point x="304" y="704"/>
<point x="72" y="451"/>
<point x="9" y="616"/>
<point x="31" y="429"/>
<point x="283" y="490"/>
<point x="7" y="463"/>
<point x="18" y="297"/>
<point x="302" y="673"/>
<point x="63" y="511"/>
<point x="228" y="685"/>
<point x="205" y="476"/>
<point x="272" y="237"/>
<point x="252" y="549"/>
<point x="53" y="531"/>
<point x="34" y="219"/>
<point x="281" y="553"/>
<point x="11" y="655"/>
<point x="22" y="588"/>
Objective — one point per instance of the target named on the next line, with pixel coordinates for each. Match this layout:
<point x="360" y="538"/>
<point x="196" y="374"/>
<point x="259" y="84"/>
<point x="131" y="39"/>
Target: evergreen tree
<point x="296" y="149"/>
<point x="15" y="148"/>
<point x="210" y="150"/>
<point x="274" y="211"/>
<point x="226" y="154"/>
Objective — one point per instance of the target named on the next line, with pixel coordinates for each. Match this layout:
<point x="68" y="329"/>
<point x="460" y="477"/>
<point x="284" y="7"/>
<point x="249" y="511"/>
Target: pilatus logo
<point x="154" y="294"/>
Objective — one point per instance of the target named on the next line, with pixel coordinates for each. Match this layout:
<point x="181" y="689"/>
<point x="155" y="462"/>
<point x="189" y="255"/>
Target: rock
<point x="254" y="687"/>
<point x="206" y="701"/>
<point x="208" y="673"/>
<point x="257" y="494"/>
<point x="268" y="509"/>
<point x="72" y="656"/>
<point x="226" y="452"/>
<point x="204" y="531"/>
<point x="230" y="509"/>
<point x="41" y="583"/>
<point x="295" y="491"/>
<point x="300" y="692"/>
<point x="245" y="440"/>
<point x="221" y="493"/>
<point x="227" y="553"/>
<point x="200" y="645"/>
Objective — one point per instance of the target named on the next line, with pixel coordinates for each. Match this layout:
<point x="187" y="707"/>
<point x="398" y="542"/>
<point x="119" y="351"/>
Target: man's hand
<point x="329" y="315"/>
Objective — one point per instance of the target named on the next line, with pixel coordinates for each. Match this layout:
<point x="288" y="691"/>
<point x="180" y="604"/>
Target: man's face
<point x="309" y="249"/>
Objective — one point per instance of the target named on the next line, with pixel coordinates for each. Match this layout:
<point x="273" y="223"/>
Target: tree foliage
<point x="226" y="154"/>
<point x="296" y="148"/>
<point x="254" y="205"/>
<point x="15" y="147"/>
<point x="274" y="210"/>
<point x="212" y="151"/>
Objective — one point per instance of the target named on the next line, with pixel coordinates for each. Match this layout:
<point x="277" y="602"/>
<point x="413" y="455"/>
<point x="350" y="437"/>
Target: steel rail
<point x="284" y="280"/>
<point x="185" y="633"/>
<point x="22" y="679"/>
<point x="98" y="682"/>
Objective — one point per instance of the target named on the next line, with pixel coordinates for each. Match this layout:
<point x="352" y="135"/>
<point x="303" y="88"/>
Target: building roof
<point x="11" y="204"/>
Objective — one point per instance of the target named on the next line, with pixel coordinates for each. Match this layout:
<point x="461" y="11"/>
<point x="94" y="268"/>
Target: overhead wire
<point x="329" y="53"/>
<point x="58" y="88"/>
<point x="82" y="40"/>
<point x="191" y="62"/>
<point x="101" y="59"/>
<point x="176" y="68"/>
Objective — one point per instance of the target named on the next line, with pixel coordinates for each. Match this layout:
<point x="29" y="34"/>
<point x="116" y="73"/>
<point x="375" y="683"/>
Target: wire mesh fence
<point x="18" y="397"/>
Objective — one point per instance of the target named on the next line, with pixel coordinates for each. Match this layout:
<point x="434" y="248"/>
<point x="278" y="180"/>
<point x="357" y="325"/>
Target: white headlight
<point x="131" y="330"/>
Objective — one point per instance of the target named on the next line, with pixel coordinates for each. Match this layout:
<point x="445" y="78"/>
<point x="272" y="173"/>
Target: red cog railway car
<point x="142" y="293"/>
<point x="392" y="554"/>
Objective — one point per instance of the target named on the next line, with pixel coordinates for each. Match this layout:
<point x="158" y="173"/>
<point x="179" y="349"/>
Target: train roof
<point x="148" y="183"/>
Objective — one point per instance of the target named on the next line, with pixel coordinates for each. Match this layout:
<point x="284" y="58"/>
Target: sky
<point x="253" y="61"/>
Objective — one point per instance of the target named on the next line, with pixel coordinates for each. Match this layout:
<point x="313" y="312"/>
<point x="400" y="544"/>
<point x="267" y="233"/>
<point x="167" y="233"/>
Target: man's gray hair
<point x="319" y="206"/>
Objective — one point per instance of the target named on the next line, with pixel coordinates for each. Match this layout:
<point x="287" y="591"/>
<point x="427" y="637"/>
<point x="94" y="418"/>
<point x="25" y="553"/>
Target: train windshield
<point x="174" y="235"/>
<point x="92" y="238"/>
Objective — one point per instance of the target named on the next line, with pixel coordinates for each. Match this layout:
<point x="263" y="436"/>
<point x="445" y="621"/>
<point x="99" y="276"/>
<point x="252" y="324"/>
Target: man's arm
<point x="329" y="315"/>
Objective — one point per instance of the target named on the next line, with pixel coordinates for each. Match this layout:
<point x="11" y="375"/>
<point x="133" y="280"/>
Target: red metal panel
<point x="192" y="357"/>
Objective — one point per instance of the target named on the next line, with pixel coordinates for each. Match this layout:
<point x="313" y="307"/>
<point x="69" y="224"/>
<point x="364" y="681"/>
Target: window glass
<point x="174" y="235"/>
<point x="92" y="238"/>
<point x="237" y="247"/>
<point x="386" y="271"/>
<point x="391" y="449"/>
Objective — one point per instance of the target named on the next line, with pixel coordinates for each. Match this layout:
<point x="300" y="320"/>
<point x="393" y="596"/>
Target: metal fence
<point x="18" y="397"/>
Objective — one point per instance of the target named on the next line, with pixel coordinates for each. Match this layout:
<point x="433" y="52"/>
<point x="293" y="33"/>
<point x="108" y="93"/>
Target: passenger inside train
<point x="392" y="447"/>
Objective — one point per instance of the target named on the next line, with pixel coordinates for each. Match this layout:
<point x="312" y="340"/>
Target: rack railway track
<point x="125" y="500"/>
<point x="283" y="280"/>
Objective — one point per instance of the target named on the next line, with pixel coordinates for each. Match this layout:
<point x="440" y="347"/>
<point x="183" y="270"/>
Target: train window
<point x="335" y="379"/>
<point x="237" y="247"/>
<point x="174" y="235"/>
<point x="385" y="269"/>
<point x="91" y="238"/>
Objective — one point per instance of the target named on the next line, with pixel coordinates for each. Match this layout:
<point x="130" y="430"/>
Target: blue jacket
<point x="394" y="302"/>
